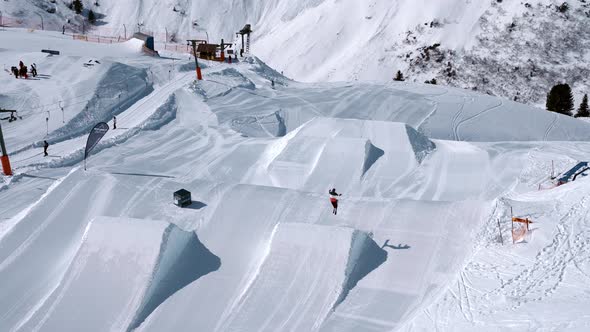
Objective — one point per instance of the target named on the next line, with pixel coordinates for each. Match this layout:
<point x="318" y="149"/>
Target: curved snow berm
<point x="320" y="264"/>
<point x="374" y="151"/>
<point x="121" y="87"/>
<point x="124" y="269"/>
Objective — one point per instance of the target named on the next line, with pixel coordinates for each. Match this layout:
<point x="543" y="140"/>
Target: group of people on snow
<point x="22" y="70"/>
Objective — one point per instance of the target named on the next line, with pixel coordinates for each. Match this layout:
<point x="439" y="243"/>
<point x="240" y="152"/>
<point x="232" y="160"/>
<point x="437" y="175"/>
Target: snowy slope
<point x="511" y="49"/>
<point x="539" y="284"/>
<point x="426" y="174"/>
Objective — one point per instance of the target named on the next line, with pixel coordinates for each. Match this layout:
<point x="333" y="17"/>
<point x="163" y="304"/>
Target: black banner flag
<point x="94" y="137"/>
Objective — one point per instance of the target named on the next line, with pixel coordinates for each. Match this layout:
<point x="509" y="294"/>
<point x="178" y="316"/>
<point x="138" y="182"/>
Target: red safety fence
<point x="163" y="40"/>
<point x="99" y="39"/>
<point x="178" y="48"/>
<point x="520" y="228"/>
<point x="17" y="23"/>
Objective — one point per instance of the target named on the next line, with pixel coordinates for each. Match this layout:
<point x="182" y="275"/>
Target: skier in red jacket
<point x="334" y="199"/>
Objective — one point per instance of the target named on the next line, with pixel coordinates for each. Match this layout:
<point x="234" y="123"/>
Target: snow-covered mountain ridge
<point x="513" y="49"/>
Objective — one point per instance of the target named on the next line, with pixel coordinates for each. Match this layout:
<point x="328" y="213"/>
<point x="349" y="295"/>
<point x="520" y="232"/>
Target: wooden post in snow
<point x="500" y="231"/>
<point x="512" y="221"/>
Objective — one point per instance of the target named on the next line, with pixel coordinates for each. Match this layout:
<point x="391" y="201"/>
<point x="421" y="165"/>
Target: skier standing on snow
<point x="22" y="70"/>
<point x="45" y="146"/>
<point x="34" y="70"/>
<point x="334" y="199"/>
<point x="114" y="122"/>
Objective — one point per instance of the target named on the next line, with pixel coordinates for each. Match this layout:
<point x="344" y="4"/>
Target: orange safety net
<point x="520" y="229"/>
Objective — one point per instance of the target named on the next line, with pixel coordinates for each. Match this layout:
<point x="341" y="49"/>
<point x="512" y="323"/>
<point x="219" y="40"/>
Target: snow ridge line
<point x="5" y="230"/>
<point x="243" y="294"/>
<point x="151" y="284"/>
<point x="364" y="256"/>
<point x="73" y="265"/>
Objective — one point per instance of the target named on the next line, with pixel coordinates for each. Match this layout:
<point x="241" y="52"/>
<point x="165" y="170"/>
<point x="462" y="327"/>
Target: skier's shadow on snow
<point x="398" y="247"/>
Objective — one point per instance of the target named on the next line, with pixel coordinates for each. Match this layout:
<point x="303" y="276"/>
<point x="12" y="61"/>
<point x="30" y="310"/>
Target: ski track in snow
<point x="550" y="127"/>
<point x="418" y="126"/>
<point x="460" y="123"/>
<point x="455" y="119"/>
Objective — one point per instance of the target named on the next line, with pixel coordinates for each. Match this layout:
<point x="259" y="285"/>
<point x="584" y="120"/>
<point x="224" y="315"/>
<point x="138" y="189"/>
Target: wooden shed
<point x="147" y="39"/>
<point x="207" y="51"/>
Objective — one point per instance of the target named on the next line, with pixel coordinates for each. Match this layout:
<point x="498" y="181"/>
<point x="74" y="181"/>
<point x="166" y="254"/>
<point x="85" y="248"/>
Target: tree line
<point x="561" y="100"/>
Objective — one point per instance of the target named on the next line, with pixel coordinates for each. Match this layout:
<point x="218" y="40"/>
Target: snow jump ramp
<point x="152" y="260"/>
<point x="307" y="273"/>
<point x="373" y="150"/>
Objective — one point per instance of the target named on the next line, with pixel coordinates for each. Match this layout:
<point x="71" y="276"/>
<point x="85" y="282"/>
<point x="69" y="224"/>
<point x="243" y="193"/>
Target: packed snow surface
<point x="422" y="238"/>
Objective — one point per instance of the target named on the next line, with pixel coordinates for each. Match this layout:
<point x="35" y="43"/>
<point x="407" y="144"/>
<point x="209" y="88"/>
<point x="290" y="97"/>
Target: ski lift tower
<point x="193" y="43"/>
<point x="246" y="30"/>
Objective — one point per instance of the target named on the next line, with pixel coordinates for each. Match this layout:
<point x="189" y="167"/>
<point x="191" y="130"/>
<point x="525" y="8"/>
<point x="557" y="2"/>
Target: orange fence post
<point x="4" y="158"/>
<point x="6" y="165"/>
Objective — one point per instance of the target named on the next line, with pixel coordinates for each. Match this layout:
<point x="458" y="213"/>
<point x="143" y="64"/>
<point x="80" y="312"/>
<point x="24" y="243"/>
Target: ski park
<point x="196" y="188"/>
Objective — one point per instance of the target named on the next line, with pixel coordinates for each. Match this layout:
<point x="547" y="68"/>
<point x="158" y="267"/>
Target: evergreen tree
<point x="560" y="99"/>
<point x="399" y="76"/>
<point x="583" y="111"/>
<point x="78" y="6"/>
<point x="91" y="17"/>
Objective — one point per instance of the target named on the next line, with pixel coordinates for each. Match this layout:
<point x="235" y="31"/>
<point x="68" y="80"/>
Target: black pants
<point x="335" y="205"/>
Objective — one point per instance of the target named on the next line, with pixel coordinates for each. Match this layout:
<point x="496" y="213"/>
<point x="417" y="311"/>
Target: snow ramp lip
<point x="383" y="135"/>
<point x="152" y="260"/>
<point x="322" y="263"/>
<point x="372" y="150"/>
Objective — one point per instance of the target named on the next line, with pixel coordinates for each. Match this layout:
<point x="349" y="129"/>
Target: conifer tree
<point x="560" y="99"/>
<point x="78" y="6"/>
<point x="583" y="111"/>
<point x="399" y="76"/>
<point x="91" y="17"/>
